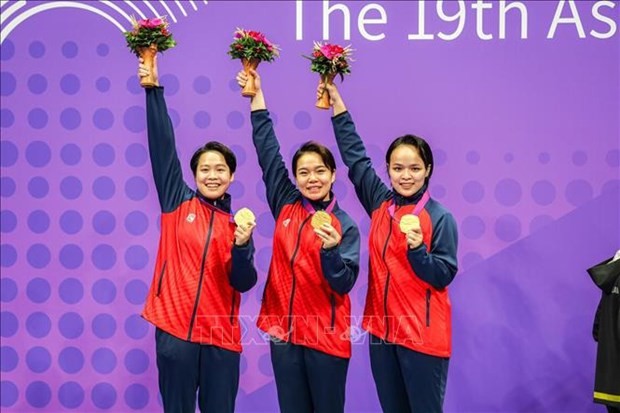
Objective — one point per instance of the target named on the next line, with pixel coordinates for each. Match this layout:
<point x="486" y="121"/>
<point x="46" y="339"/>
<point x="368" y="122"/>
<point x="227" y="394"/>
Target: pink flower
<point x="252" y="42"/>
<point x="331" y="51"/>
<point x="150" y="23"/>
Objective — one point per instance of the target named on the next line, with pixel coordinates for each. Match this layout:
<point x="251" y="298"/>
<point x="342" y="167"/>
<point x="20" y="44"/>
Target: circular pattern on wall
<point x="80" y="215"/>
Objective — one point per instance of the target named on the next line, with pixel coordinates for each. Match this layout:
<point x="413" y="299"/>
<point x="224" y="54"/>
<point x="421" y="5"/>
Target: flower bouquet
<point x="252" y="48"/>
<point x="329" y="60"/>
<point x="145" y="39"/>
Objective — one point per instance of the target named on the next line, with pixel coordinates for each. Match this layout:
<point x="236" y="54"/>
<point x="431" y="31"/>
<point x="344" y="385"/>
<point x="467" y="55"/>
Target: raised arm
<point x="280" y="188"/>
<point x="370" y="189"/>
<point x="171" y="189"/>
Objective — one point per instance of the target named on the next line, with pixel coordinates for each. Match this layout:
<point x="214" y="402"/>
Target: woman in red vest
<point x="203" y="264"/>
<point x="306" y="308"/>
<point x="412" y="249"/>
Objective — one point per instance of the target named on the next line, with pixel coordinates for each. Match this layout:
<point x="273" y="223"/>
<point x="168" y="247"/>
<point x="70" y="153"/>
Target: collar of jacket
<point x="400" y="200"/>
<point x="222" y="203"/>
<point x="322" y="205"/>
<point x="605" y="274"/>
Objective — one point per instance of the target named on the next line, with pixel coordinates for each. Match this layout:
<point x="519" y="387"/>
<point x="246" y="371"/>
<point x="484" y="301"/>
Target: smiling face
<point x="212" y="175"/>
<point x="407" y="170"/>
<point x="314" y="178"/>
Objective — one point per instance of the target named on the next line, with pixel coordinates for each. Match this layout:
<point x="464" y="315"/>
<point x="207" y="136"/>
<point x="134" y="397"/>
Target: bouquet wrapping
<point x="145" y="39"/>
<point x="329" y="60"/>
<point x="251" y="47"/>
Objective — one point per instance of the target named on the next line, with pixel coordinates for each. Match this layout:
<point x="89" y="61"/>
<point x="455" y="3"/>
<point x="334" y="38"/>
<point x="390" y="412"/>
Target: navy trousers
<point x="186" y="368"/>
<point x="308" y="380"/>
<point x="407" y="381"/>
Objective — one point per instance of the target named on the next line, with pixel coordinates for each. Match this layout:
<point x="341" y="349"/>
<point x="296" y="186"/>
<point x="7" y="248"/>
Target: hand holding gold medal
<point x="244" y="218"/>
<point x="246" y="221"/>
<point x="321" y="222"/>
<point x="409" y="222"/>
<point x="319" y="218"/>
<point x="410" y="226"/>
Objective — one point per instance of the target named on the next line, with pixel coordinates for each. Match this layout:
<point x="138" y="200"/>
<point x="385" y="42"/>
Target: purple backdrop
<point x="523" y="119"/>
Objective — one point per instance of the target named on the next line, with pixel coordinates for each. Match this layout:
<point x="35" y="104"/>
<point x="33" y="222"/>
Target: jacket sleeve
<point x="243" y="273"/>
<point x="370" y="190"/>
<point x="280" y="189"/>
<point x="171" y="189"/>
<point x="438" y="266"/>
<point x="340" y="265"/>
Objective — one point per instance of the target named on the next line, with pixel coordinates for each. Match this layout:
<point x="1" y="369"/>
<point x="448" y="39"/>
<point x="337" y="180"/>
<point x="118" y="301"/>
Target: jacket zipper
<point x="387" y="284"/>
<point x="202" y="273"/>
<point x="428" y="307"/>
<point x="290" y="305"/>
<point x="161" y="277"/>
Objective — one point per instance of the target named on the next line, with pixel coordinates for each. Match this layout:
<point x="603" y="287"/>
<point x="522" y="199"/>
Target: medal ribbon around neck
<point x="320" y="217"/>
<point x="311" y="209"/>
<point x="418" y="207"/>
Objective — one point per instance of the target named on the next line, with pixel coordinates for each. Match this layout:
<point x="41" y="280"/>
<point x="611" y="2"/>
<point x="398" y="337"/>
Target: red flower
<point x="150" y="23"/>
<point x="331" y="51"/>
<point x="258" y="36"/>
<point x="252" y="43"/>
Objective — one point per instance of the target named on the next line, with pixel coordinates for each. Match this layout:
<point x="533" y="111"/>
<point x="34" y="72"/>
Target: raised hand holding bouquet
<point x="146" y="38"/>
<point x="252" y="47"/>
<point x="329" y="60"/>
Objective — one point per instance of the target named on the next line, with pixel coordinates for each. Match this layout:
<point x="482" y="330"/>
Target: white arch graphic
<point x="116" y="8"/>
<point x="180" y="6"/>
<point x="136" y="9"/>
<point x="56" y="5"/>
<point x="13" y="7"/>
<point x="155" y="12"/>
<point x="170" y="13"/>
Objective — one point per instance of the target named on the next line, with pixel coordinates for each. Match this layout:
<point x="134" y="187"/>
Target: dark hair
<point x="214" y="146"/>
<point x="315" y="147"/>
<point x="420" y="144"/>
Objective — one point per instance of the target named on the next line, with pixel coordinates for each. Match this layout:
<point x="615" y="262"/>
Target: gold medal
<point x="244" y="217"/>
<point x="409" y="222"/>
<point x="319" y="218"/>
